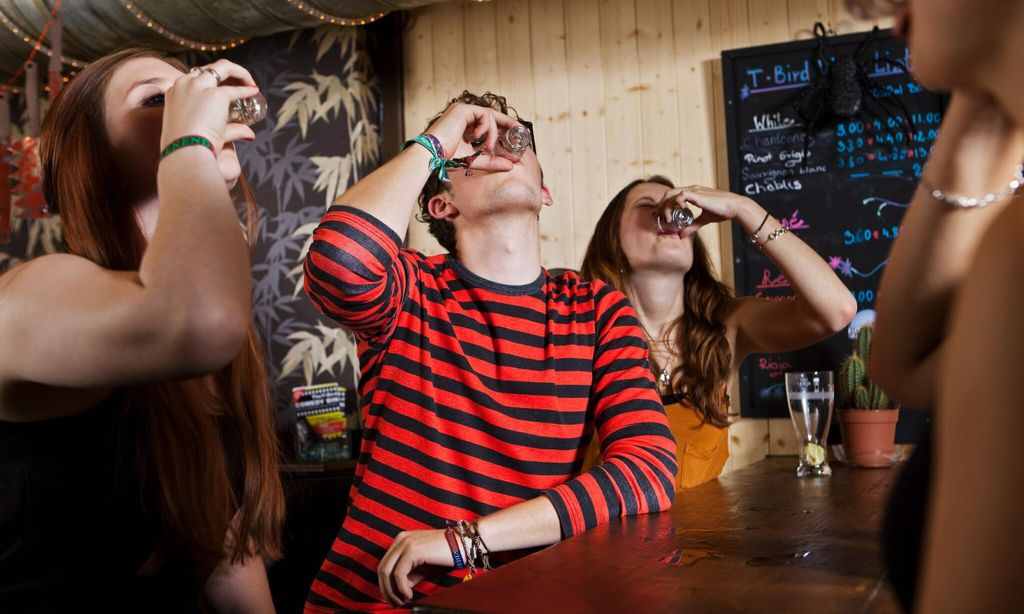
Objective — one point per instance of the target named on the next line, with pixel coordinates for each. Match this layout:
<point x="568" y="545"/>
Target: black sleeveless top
<point x="73" y="531"/>
<point x="903" y="529"/>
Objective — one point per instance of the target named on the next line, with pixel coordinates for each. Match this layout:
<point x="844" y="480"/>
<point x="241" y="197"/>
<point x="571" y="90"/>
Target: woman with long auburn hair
<point x="697" y="332"/>
<point x="138" y="462"/>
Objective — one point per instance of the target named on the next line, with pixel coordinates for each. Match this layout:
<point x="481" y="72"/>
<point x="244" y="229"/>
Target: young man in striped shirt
<point x="483" y="377"/>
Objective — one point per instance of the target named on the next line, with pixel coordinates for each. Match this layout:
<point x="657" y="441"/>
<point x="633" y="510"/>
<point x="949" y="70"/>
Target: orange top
<point x="702" y="449"/>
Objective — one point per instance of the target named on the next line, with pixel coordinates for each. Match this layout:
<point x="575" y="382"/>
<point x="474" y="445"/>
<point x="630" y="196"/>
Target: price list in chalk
<point x="841" y="183"/>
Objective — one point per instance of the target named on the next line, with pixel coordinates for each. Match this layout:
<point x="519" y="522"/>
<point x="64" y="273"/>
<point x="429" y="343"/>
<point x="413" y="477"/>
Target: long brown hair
<point x="182" y="429"/>
<point x="704" y="369"/>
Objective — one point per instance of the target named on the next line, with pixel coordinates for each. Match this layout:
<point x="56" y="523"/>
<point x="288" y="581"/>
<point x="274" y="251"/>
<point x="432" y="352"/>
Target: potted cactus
<point x="866" y="416"/>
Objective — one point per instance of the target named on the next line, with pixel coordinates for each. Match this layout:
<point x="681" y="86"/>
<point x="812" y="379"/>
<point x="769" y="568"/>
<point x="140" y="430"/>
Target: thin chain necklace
<point x="664" y="375"/>
<point x="665" y="345"/>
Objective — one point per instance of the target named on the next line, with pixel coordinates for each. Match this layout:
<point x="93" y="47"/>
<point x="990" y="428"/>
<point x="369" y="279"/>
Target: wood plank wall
<point x="617" y="89"/>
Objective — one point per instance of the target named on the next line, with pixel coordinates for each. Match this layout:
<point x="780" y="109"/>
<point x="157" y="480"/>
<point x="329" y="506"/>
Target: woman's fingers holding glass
<point x="720" y="204"/>
<point x="238" y="132"/>
<point x="199" y="71"/>
<point x="674" y="212"/>
<point x="191" y="109"/>
<point x="227" y="72"/>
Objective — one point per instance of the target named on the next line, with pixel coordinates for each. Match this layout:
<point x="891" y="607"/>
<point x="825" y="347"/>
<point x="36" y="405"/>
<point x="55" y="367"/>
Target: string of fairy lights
<point x="64" y="58"/>
<point x="152" y="24"/>
<point x="36" y="47"/>
<point x="334" y="19"/>
<point x="196" y="45"/>
<point x="23" y="166"/>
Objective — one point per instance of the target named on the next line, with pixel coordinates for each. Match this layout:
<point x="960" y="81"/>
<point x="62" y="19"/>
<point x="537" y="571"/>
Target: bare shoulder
<point x="47" y="285"/>
<point x="39" y="264"/>
<point x="49" y="268"/>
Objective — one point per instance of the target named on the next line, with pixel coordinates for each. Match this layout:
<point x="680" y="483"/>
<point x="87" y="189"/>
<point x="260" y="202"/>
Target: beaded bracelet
<point x="185" y="141"/>
<point x="963" y="202"/>
<point x="775" y="234"/>
<point x="437" y="160"/>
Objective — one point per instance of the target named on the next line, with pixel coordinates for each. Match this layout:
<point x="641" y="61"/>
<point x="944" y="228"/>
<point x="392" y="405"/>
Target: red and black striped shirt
<point x="477" y="396"/>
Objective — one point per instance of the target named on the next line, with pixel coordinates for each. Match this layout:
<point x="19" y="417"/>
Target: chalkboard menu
<point x="843" y="191"/>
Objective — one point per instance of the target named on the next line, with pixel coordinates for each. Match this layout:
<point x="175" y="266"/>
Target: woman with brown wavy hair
<point x="137" y="449"/>
<point x="697" y="332"/>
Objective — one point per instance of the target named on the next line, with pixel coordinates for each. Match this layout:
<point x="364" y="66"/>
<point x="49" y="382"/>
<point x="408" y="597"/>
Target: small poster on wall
<point x="321" y="425"/>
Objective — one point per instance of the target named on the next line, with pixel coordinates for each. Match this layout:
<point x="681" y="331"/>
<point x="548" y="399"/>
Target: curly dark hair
<point x="444" y="230"/>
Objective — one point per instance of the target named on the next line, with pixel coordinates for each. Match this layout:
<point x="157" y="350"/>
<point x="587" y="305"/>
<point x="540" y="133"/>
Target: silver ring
<point x="213" y="72"/>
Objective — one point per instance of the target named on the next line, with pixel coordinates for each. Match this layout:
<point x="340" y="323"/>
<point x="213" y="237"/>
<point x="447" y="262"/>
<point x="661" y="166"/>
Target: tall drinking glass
<point x="810" y="396"/>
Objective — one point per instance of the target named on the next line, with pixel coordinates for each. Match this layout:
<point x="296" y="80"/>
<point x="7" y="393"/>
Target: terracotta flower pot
<point x="868" y="436"/>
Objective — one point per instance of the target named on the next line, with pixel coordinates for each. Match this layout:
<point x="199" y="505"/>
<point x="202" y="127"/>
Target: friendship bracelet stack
<point x="438" y="162"/>
<point x="463" y="536"/>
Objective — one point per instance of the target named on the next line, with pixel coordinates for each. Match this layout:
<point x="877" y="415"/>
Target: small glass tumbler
<point x="516" y="140"/>
<point x="681" y="217"/>
<point x="248" y="111"/>
<point x="810" y="395"/>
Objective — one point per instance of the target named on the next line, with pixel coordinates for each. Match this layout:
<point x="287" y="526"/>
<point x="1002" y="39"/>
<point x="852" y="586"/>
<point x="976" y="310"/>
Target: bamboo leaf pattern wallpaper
<point x="321" y="135"/>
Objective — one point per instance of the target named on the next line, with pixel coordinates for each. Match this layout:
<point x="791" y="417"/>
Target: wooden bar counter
<point x="757" y="540"/>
